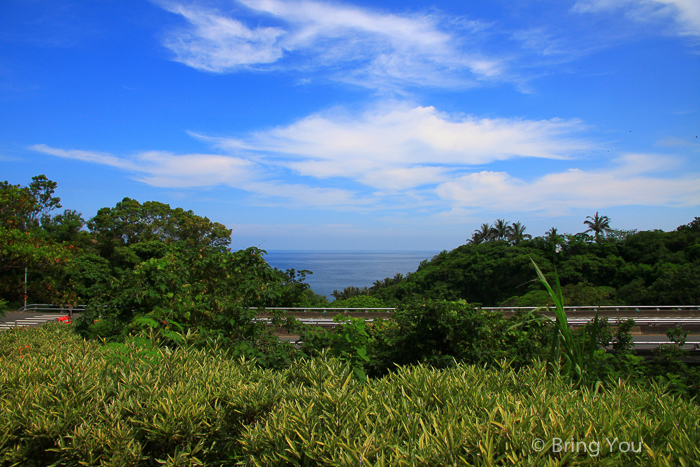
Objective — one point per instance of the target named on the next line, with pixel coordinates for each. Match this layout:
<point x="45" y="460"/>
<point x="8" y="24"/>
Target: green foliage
<point x="613" y="267"/>
<point x="439" y="333"/>
<point x="501" y="230"/>
<point x="350" y="292"/>
<point x="66" y="401"/>
<point x="693" y="226"/>
<point x="599" y="225"/>
<point x="46" y="262"/>
<point x="487" y="273"/>
<point x="359" y="301"/>
<point x="296" y="292"/>
<point x="423" y="416"/>
<point x="21" y="208"/>
<point x="88" y="273"/>
<point x="577" y="355"/>
<point x="349" y="343"/>
<point x="131" y="222"/>
<point x="85" y="404"/>
<point x="64" y="227"/>
<point x="209" y="295"/>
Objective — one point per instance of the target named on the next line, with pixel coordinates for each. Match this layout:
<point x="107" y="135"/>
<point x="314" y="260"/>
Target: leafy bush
<point x="204" y="293"/>
<point x="466" y="415"/>
<point x="359" y="301"/>
<point x="438" y="333"/>
<point x="67" y="401"/>
<point x="76" y="402"/>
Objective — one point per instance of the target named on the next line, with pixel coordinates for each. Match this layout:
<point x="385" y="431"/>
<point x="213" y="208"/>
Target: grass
<point x="577" y="355"/>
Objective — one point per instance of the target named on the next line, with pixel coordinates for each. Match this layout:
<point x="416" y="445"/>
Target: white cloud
<point x="362" y="46"/>
<point x="415" y="161"/>
<point x="163" y="169"/>
<point x="684" y="13"/>
<point x="216" y="43"/>
<point x="400" y="147"/>
<point x="630" y="183"/>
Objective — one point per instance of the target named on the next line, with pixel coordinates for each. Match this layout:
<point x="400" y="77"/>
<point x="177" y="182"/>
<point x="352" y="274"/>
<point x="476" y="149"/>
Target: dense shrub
<point x="359" y="301"/>
<point x="77" y="402"/>
<point x="438" y="333"/>
<point x="66" y="401"/>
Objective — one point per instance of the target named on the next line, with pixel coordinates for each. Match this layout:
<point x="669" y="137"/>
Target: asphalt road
<point x="13" y="319"/>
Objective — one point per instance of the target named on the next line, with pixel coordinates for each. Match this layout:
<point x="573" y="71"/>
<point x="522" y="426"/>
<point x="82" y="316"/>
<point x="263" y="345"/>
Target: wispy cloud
<point x="164" y="169"/>
<point x="685" y="14"/>
<point x="358" y="45"/>
<point x="167" y="170"/>
<point x="415" y="160"/>
<point x="399" y="147"/>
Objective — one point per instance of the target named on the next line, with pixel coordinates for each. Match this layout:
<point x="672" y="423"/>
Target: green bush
<point x="466" y="415"/>
<point x="74" y="402"/>
<point x="67" y="401"/>
<point x="359" y="301"/>
<point x="439" y="332"/>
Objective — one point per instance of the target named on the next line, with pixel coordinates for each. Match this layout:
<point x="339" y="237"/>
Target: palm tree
<point x="516" y="233"/>
<point x="555" y="239"/>
<point x="500" y="229"/>
<point x="482" y="234"/>
<point x="598" y="224"/>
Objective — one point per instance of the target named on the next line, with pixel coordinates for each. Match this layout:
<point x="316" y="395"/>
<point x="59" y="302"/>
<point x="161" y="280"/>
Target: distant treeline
<point x="153" y="249"/>
<point x="132" y="252"/>
<point x="601" y="266"/>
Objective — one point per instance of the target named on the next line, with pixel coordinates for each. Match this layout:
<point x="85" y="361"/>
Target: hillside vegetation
<point x="607" y="268"/>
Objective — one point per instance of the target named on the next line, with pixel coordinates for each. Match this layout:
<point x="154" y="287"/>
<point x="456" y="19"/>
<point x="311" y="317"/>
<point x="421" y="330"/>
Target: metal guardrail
<point x="593" y="309"/>
<point x="575" y="309"/>
<point x="674" y="321"/>
<point x="325" y="309"/>
<point x="696" y="345"/>
<point x="573" y="321"/>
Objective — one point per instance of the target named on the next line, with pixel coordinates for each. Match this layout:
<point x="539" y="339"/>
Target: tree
<point x="22" y="207"/>
<point x="500" y="229"/>
<point x="693" y="226"/>
<point x="483" y="234"/>
<point x="45" y="261"/>
<point x="131" y="222"/>
<point x="554" y="240"/>
<point x="599" y="225"/>
<point x="516" y="233"/>
<point x="63" y="227"/>
<point x="202" y="289"/>
<point x="25" y="252"/>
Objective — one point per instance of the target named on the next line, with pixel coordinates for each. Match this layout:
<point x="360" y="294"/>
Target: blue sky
<point x="359" y="125"/>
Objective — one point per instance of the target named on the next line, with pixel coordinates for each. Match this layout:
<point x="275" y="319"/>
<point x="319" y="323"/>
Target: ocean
<point x="335" y="270"/>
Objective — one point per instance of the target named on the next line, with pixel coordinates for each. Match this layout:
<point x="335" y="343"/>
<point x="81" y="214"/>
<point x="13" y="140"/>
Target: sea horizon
<point x="337" y="269"/>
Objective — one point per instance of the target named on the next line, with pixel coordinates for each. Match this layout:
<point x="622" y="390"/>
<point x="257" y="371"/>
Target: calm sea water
<point x="335" y="270"/>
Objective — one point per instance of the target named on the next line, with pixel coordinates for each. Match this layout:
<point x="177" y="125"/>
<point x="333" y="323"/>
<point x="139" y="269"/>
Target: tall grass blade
<point x="573" y="352"/>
